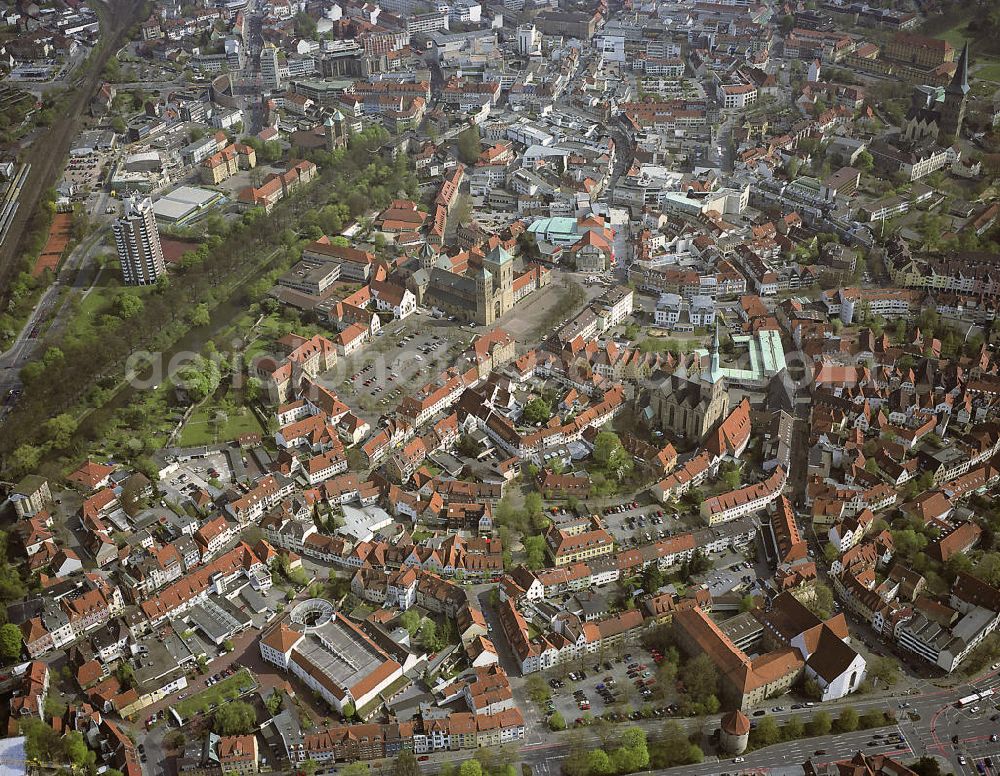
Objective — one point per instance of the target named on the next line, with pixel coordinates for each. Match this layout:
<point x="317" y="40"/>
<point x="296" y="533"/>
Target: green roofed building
<point x="557" y="231"/>
<point x="762" y="356"/>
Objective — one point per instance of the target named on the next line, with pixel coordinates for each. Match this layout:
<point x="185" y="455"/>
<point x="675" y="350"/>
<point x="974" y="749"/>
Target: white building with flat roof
<point x="362" y="524"/>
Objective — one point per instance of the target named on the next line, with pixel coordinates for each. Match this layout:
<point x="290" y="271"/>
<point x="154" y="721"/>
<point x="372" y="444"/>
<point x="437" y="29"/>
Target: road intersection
<point x="926" y="726"/>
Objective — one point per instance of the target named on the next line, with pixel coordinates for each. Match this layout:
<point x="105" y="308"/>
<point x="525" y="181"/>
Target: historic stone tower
<point x="428" y="256"/>
<point x="484" y="296"/>
<point x="501" y="265"/>
<point x="955" y="95"/>
<point x="735" y="732"/>
<point x="335" y="131"/>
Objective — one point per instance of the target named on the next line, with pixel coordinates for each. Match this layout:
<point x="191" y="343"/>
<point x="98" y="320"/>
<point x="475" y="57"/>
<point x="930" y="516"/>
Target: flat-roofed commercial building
<point x="311" y="277"/>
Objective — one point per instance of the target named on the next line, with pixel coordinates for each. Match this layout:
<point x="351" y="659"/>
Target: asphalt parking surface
<point x="191" y="476"/>
<point x="408" y="355"/>
<point x="628" y="698"/>
<point x="642" y="525"/>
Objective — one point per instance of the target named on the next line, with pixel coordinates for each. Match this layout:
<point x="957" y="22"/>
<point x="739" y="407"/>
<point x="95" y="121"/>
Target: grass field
<point x="97" y="302"/>
<point x="955" y="35"/>
<point x="272" y="328"/>
<point x="202" y="430"/>
<point x="101" y="300"/>
<point x="228" y="689"/>
<point x="990" y="72"/>
<point x="660" y="341"/>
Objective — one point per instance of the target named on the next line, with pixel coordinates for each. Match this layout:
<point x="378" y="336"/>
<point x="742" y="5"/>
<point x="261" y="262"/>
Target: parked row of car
<point x="621" y="508"/>
<point x="216" y="678"/>
<point x="616" y="716"/>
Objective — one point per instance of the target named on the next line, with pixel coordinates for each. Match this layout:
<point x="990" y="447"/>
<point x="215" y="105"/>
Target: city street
<point x="930" y="733"/>
<point x="927" y="724"/>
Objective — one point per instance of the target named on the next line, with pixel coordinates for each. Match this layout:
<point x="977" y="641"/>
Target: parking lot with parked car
<point x="633" y="523"/>
<point x="641" y="526"/>
<point x="211" y="473"/>
<point x="616" y="687"/>
<point x="401" y="360"/>
<point x="733" y="573"/>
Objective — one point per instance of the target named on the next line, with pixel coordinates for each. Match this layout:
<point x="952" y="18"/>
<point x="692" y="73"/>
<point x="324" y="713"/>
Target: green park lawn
<point x="228" y="689"/>
<point x="201" y="429"/>
<point x="955" y="35"/>
<point x="271" y="328"/>
<point x="990" y="72"/>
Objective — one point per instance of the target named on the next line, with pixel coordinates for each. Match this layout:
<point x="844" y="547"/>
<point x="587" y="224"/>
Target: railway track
<point x="9" y="200"/>
<point x="46" y="155"/>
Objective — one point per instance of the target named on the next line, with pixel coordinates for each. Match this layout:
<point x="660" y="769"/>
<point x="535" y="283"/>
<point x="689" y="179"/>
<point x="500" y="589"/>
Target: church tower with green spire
<point x="714" y="367"/>
<point x="955" y="95"/>
<point x="713" y="375"/>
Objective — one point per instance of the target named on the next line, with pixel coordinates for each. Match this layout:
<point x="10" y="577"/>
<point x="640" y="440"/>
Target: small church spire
<point x="714" y="367"/>
<point x="956" y="93"/>
<point x="960" y="81"/>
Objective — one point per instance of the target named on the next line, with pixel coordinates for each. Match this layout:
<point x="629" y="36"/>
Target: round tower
<point x="735" y="732"/>
<point x="485" y="313"/>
